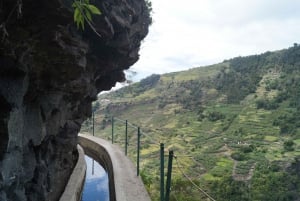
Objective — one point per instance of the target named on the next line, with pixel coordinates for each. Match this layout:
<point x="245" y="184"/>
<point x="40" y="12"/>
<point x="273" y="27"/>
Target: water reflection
<point x="96" y="182"/>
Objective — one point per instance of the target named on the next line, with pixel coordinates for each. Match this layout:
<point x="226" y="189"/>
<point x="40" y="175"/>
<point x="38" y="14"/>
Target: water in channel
<point x="96" y="182"/>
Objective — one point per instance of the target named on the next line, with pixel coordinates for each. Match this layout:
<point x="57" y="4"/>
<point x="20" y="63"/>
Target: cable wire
<point x="175" y="197"/>
<point x="128" y="123"/>
<point x="150" y="138"/>
<point x="192" y="158"/>
<point x="195" y="185"/>
<point x="177" y="162"/>
<point x="120" y="119"/>
<point x="142" y="133"/>
<point x="132" y="125"/>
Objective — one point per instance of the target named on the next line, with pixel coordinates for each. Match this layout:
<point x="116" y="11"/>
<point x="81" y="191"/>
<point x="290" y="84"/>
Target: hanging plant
<point x="83" y="12"/>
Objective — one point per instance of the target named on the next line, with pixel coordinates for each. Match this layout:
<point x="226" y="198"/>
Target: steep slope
<point x="50" y="72"/>
<point x="234" y="126"/>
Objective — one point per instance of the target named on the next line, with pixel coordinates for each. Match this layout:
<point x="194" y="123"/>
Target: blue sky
<point x="193" y="33"/>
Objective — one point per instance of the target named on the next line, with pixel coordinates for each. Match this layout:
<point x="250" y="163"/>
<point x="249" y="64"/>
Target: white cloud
<point x="193" y="33"/>
<point x="102" y="187"/>
<point x="96" y="172"/>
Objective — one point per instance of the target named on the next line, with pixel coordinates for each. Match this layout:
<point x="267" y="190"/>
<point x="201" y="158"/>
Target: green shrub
<point x="215" y="116"/>
<point x="288" y="145"/>
<point x="238" y="156"/>
<point x="266" y="104"/>
<point x="247" y="148"/>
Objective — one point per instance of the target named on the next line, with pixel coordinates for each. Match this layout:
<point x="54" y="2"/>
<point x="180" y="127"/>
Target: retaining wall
<point x="124" y="185"/>
<point x="73" y="190"/>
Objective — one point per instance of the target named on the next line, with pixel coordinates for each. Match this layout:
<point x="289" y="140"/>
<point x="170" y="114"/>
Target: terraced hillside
<point x="234" y="127"/>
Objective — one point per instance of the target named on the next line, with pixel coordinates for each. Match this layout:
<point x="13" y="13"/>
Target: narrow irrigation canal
<point x="96" y="182"/>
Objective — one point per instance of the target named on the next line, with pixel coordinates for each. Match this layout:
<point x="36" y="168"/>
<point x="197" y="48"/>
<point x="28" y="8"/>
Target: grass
<point x="244" y="167"/>
<point x="203" y="146"/>
<point x="209" y="177"/>
<point x="297" y="142"/>
<point x="195" y="73"/>
<point x="271" y="138"/>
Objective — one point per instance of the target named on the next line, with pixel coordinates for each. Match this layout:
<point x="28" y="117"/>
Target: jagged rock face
<point x="49" y="74"/>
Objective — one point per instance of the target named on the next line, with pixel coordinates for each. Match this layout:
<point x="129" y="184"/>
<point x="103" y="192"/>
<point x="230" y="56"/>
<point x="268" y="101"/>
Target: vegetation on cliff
<point x="234" y="126"/>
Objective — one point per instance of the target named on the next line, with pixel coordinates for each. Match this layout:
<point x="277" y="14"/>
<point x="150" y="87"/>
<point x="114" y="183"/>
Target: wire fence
<point x="135" y="143"/>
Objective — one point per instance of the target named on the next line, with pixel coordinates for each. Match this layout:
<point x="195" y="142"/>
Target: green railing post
<point x="112" y="130"/>
<point x="169" y="174"/>
<point x="126" y="137"/>
<point x="162" y="173"/>
<point x="138" y="152"/>
<point x="93" y="123"/>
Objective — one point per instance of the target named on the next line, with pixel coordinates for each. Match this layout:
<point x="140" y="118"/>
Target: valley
<point x="234" y="127"/>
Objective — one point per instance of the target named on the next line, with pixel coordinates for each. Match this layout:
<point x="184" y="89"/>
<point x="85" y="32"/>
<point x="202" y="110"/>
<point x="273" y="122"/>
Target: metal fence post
<point x="93" y="167"/>
<point x="138" y="152"/>
<point x="126" y="137"/>
<point x="162" y="173"/>
<point x="112" y="130"/>
<point x="93" y="123"/>
<point x="169" y="174"/>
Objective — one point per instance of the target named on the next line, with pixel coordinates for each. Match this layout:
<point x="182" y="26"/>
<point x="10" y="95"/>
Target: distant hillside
<point x="238" y="122"/>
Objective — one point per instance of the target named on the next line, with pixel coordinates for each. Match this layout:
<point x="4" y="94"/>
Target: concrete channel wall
<point x="124" y="185"/>
<point x="73" y="190"/>
<point x="99" y="153"/>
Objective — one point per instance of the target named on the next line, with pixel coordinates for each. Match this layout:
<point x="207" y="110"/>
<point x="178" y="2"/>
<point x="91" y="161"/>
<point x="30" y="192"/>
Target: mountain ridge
<point x="238" y="120"/>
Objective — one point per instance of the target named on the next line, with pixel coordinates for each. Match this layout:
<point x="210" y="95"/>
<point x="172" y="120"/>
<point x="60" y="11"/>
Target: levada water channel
<point x="96" y="182"/>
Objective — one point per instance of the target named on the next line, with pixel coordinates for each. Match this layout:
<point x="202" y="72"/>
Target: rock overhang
<point x="50" y="72"/>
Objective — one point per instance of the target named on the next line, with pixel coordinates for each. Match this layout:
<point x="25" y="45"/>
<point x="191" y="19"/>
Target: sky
<point x="193" y="33"/>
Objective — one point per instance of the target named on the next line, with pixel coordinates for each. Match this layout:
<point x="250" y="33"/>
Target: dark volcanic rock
<point x="49" y="74"/>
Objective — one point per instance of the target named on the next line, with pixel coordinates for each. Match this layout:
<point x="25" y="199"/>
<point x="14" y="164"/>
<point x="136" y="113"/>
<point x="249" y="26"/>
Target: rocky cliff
<point x="50" y="72"/>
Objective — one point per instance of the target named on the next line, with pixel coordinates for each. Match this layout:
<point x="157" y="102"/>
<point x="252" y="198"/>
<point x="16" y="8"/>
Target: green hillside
<point x="234" y="126"/>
